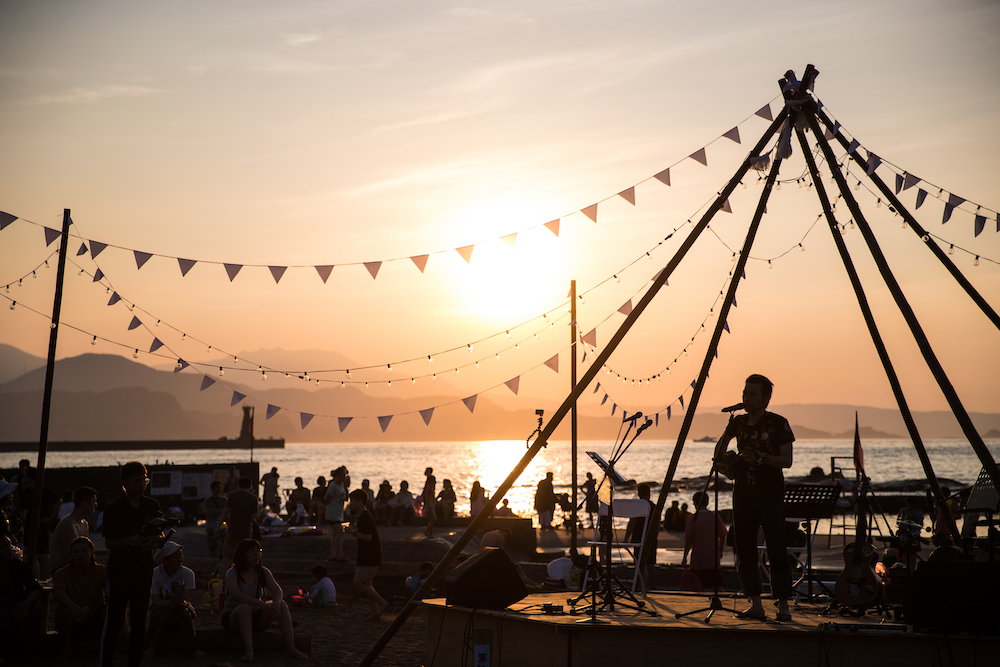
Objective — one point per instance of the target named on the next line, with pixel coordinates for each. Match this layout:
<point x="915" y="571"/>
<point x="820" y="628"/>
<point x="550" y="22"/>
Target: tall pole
<point x="572" y="414"/>
<point x="43" y="437"/>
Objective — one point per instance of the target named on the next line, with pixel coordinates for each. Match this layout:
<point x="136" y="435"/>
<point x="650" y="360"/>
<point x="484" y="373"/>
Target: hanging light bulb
<point x="209" y="349"/>
<point x="348" y="373"/>
<point x="904" y="225"/>
<point x="434" y="376"/>
<point x="184" y="336"/>
<point x="617" y="279"/>
<point x="135" y="355"/>
<point x="287" y="375"/>
<point x="535" y="335"/>
<point x="366" y="385"/>
<point x="389" y="367"/>
<point x="7" y="289"/>
<point x="342" y="385"/>
<point x="457" y="371"/>
<point x="430" y="359"/>
<point x="263" y="376"/>
<point x="582" y="300"/>
<point x="306" y="376"/>
<point x="851" y="223"/>
<point x="413" y="380"/>
<point x="733" y="258"/>
<point x="221" y="372"/>
<point x="34" y="275"/>
<point x="951" y="250"/>
<point x="975" y="262"/>
<point x="52" y="325"/>
<point x="498" y="356"/>
<point x="517" y="346"/>
<point x="469" y="346"/>
<point x="235" y="360"/>
<point x="769" y="265"/>
<point x="779" y="185"/>
<point x="802" y="248"/>
<point x="94" y="341"/>
<point x="178" y="365"/>
<point x="743" y="185"/>
<point x="20" y="282"/>
<point x="390" y="383"/>
<point x="157" y="322"/>
<point x="878" y="204"/>
<point x="508" y="333"/>
<point x="925" y="238"/>
<point x="477" y="364"/>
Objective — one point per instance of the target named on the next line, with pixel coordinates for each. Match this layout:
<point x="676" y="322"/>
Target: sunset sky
<point x="305" y="134"/>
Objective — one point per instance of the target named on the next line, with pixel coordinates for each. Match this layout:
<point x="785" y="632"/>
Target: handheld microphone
<point x="646" y="424"/>
<point x="733" y="408"/>
<point x="632" y="418"/>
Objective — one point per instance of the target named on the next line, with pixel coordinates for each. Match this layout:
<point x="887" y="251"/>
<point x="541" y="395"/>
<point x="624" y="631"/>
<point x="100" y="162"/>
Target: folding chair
<point x="625" y="508"/>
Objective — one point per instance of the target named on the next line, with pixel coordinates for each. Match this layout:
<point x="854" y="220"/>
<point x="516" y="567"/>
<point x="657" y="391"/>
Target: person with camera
<point x="131" y="533"/>
<point x="764" y="441"/>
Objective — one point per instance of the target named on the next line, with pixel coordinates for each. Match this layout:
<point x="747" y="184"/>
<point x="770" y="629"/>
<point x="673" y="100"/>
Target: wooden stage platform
<point x="525" y="635"/>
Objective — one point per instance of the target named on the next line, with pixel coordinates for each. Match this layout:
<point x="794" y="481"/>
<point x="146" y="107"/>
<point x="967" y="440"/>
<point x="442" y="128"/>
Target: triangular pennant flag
<point x="899" y="183"/>
<point x="373" y="268"/>
<point x="186" y="265"/>
<point x="953" y="203"/>
<point x="733" y="134"/>
<point x="82" y="250"/>
<point x="470" y="402"/>
<point x="664" y="177"/>
<point x="510" y="239"/>
<point x="693" y="383"/>
<point x="553" y="226"/>
<point x="726" y="208"/>
<point x="553" y="363"/>
<point x="591" y="212"/>
<point x="156" y="345"/>
<point x="604" y="400"/>
<point x="141" y="258"/>
<point x="134" y="323"/>
<point x="700" y="156"/>
<point x="681" y="399"/>
<point x="626" y="307"/>
<point x="466" y="252"/>
<point x="909" y="180"/>
<point x="734" y="301"/>
<point x="921" y="196"/>
<point x="597" y="387"/>
<point x="96" y="248"/>
<point x="855" y="145"/>
<point x="6" y="219"/>
<point x="513" y="384"/>
<point x="232" y="270"/>
<point x="725" y="325"/>
<point x="305" y="418"/>
<point x="420" y="261"/>
<point x="271" y="411"/>
<point x="980" y="224"/>
<point x="206" y="382"/>
<point x="590" y="338"/>
<point x="51" y="235"/>
<point x="614" y="406"/>
<point x="832" y="132"/>
<point x="181" y="365"/>
<point x="998" y="223"/>
<point x="277" y="272"/>
<point x="114" y="299"/>
<point x="384" y="422"/>
<point x="426" y="415"/>
<point x="668" y="413"/>
<point x="873" y="163"/>
<point x="342" y="422"/>
<point x="324" y="272"/>
<point x="237" y="397"/>
<point x="98" y="275"/>
<point x="765" y="113"/>
<point x="628" y="195"/>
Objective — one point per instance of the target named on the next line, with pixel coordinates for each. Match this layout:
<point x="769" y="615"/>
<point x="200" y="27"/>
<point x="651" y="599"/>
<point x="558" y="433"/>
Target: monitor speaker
<point x="954" y="597"/>
<point x="487" y="580"/>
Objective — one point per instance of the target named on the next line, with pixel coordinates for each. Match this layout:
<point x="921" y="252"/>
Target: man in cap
<point x="172" y="609"/>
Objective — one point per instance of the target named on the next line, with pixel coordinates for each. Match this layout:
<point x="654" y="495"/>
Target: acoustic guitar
<point x="858" y="585"/>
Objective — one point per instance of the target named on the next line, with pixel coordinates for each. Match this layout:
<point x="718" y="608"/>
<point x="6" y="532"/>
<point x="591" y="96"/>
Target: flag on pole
<point x="859" y="454"/>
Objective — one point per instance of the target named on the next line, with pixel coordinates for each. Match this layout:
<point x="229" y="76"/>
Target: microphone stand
<point x="715" y="602"/>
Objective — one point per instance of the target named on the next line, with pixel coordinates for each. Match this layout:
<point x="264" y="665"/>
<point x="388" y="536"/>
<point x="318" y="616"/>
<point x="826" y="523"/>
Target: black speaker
<point x="954" y="597"/>
<point x="487" y="580"/>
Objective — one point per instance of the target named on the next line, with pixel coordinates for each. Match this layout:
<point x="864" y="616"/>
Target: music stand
<point x="984" y="499"/>
<point x="611" y="586"/>
<point x="811" y="501"/>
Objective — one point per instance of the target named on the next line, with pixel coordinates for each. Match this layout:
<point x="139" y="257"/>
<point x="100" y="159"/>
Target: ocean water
<point x="491" y="461"/>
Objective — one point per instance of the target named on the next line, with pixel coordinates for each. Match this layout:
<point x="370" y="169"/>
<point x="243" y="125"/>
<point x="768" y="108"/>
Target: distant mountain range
<point x="107" y="397"/>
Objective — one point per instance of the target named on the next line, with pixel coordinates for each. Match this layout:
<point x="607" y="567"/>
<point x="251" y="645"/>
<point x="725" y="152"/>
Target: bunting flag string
<point x="277" y="270"/>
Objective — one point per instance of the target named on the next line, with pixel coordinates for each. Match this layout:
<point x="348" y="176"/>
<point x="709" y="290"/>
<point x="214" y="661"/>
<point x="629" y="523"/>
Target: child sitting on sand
<point x="323" y="593"/>
<point x="415" y="581"/>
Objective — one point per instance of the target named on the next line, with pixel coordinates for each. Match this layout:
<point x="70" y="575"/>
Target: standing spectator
<point x="382" y="500"/>
<point x="401" y="506"/>
<point x="704" y="540"/>
<point x="429" y="495"/>
<point x="239" y="515"/>
<point x="232" y="481"/>
<point x="247" y="609"/>
<point x="334" y="499"/>
<point x="299" y="496"/>
<point x="28" y="488"/>
<point x="682" y="518"/>
<point x="130" y="536"/>
<point x="172" y="609"/>
<point x="20" y="601"/>
<point x="670" y="517"/>
<point x="317" y="510"/>
<point x="369" y="555"/>
<point x="79" y="588"/>
<point x="65" y="505"/>
<point x="636" y="532"/>
<point x="446" y="501"/>
<point x="477" y="498"/>
<point x="212" y="507"/>
<point x="72" y="526"/>
<point x="545" y="502"/>
<point x="269" y="483"/>
<point x="590" y="499"/>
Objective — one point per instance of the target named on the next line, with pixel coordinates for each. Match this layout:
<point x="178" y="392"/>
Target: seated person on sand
<point x="171" y="608"/>
<point x="72" y="526"/>
<point x="382" y="499"/>
<point x="20" y="602"/>
<point x="79" y="591"/>
<point x="414" y="582"/>
<point x="323" y="593"/>
<point x="495" y="538"/>
<point x="505" y="510"/>
<point x="247" y="609"/>
<point x="401" y="506"/>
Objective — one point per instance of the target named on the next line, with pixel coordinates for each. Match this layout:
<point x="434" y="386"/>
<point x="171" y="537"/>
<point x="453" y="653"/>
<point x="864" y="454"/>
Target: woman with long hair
<point x="248" y="609"/>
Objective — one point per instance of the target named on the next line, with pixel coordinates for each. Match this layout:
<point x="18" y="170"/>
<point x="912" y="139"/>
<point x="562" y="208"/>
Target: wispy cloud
<point x="301" y="40"/>
<point x="88" y="95"/>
